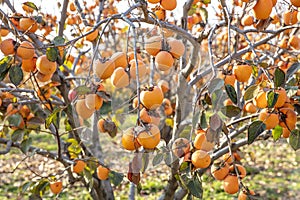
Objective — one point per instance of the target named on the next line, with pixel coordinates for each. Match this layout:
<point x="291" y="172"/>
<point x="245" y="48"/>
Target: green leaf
<point x="254" y="130"/>
<point x="31" y="5"/>
<point x="157" y="159"/>
<point x="68" y="127"/>
<point x="203" y="122"/>
<point x="294" y="139"/>
<point x="207" y="99"/>
<point x="215" y="84"/>
<point x="204" y="14"/>
<point x="206" y="1"/>
<point x="292" y="70"/>
<point x="16" y="74"/>
<point x="58" y="40"/>
<point x="52" y="53"/>
<point x="82" y="90"/>
<point x="25" y="186"/>
<point x="231" y="93"/>
<point x="217" y="99"/>
<point x="17" y="135"/>
<point x="14" y="120"/>
<point x="230" y="111"/>
<point x="4" y="66"/>
<point x="272" y="98"/>
<point x="41" y="186"/>
<point x="277" y="132"/>
<point x="184" y="167"/>
<point x="25" y="144"/>
<point x="53" y="118"/>
<point x="116" y="178"/>
<point x="195" y="187"/>
<point x="279" y="78"/>
<point x="251" y="92"/>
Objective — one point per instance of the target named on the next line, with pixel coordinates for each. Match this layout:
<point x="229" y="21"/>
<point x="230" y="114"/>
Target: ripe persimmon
<point x="7" y="46"/>
<point x="181" y="146"/>
<point x="244" y="195"/>
<point x="79" y="166"/>
<point x="43" y="77"/>
<point x="168" y="4"/>
<point x="285" y="133"/>
<point x="29" y="65"/>
<point x="220" y="171"/>
<point x="294" y="42"/>
<point x="241" y="170"/>
<point x="164" y="85"/>
<point x="229" y="79"/>
<point x="130" y="56"/>
<point x="177" y="47"/>
<point x="91" y="36"/>
<point x="27" y="8"/>
<point x="288" y="118"/>
<point x="102" y="172"/>
<point x="153" y="1"/>
<point x="93" y="101"/>
<point x="45" y="66"/>
<point x="164" y="60"/>
<point x="262" y="9"/>
<point x="282" y="96"/>
<point x="135" y="103"/>
<point x="149" y="136"/>
<point x="152" y="98"/>
<point x="250" y="107"/>
<point x="28" y="24"/>
<point x="295" y="3"/>
<point x="231" y="184"/>
<point x="247" y="20"/>
<point x="242" y="72"/>
<point x="56" y="187"/>
<point x="201" y="159"/>
<point x="25" y="50"/>
<point x="120" y="59"/>
<point x="82" y="110"/>
<point x="4" y="32"/>
<point x="201" y="142"/>
<point x="270" y="119"/>
<point x="141" y="68"/>
<point x="120" y="78"/>
<point x="160" y="13"/>
<point x="104" y="69"/>
<point x="153" y="45"/>
<point x="129" y="140"/>
<point x="290" y="17"/>
<point x="260" y="100"/>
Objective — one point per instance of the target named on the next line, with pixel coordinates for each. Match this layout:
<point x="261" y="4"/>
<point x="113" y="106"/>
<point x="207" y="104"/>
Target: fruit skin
<point x="201" y="143"/>
<point x="219" y="172"/>
<point x="7" y="46"/>
<point x="282" y="96"/>
<point x="240" y="168"/>
<point x="120" y="78"/>
<point x="25" y="50"/>
<point x="181" y="146"/>
<point x="168" y="4"/>
<point x="229" y="79"/>
<point x="142" y="69"/>
<point x="129" y="142"/>
<point x="105" y="69"/>
<point x="149" y="138"/>
<point x="79" y="166"/>
<point x="102" y="172"/>
<point x="45" y="66"/>
<point x="91" y="36"/>
<point x="153" y="45"/>
<point x="120" y="59"/>
<point x="250" y="107"/>
<point x="152" y="98"/>
<point x="28" y="24"/>
<point x="231" y="184"/>
<point x="164" y="60"/>
<point x="83" y="111"/>
<point x="56" y="187"/>
<point x="93" y="101"/>
<point x="294" y="42"/>
<point x="270" y="119"/>
<point x="288" y="118"/>
<point x="260" y="100"/>
<point x="29" y="65"/>
<point x="164" y="85"/>
<point x="153" y="1"/>
<point x="244" y="196"/>
<point x="242" y="72"/>
<point x="201" y="159"/>
<point x="295" y="3"/>
<point x="247" y="20"/>
<point x="177" y="47"/>
<point x="290" y="17"/>
<point x="262" y="9"/>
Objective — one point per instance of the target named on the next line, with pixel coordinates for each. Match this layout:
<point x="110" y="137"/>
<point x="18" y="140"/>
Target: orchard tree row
<point x="200" y="84"/>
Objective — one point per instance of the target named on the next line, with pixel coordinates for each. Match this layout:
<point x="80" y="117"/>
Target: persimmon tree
<point x="196" y="82"/>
